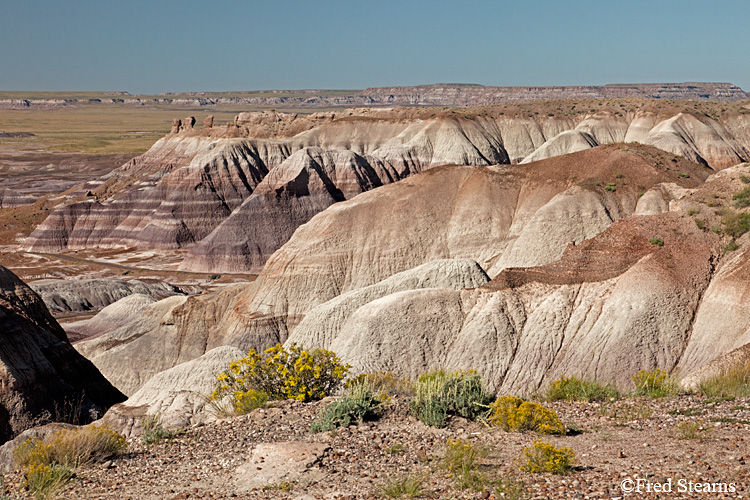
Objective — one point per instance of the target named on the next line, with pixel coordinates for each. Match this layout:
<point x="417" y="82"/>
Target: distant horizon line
<point x="309" y="89"/>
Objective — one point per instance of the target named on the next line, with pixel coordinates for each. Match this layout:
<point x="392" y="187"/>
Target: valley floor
<point x="685" y="437"/>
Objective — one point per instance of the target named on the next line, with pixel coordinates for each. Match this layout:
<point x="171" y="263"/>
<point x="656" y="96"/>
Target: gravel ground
<point x="614" y="442"/>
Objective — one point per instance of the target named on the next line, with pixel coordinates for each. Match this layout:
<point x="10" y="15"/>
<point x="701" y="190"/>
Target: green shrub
<point x="546" y="457"/>
<point x="692" y="211"/>
<point x="396" y="449"/>
<point x="358" y="405"/>
<point x="510" y="489"/>
<point x="49" y="464"/>
<point x="656" y="241"/>
<point x="575" y="389"/>
<point x="735" y="223"/>
<point x="683" y="175"/>
<point x="281" y="374"/>
<point x="654" y="383"/>
<point x="742" y="199"/>
<point x="152" y="431"/>
<point x="730" y="247"/>
<point x="440" y="395"/>
<point x="409" y="486"/>
<point x="691" y="430"/>
<point x="699" y="223"/>
<point x="513" y="414"/>
<point x="461" y="461"/>
<point x="734" y="381"/>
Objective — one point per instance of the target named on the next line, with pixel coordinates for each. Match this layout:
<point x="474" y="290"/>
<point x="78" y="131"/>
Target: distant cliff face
<point x="41" y="375"/>
<point x="235" y="194"/>
<point x="421" y="95"/>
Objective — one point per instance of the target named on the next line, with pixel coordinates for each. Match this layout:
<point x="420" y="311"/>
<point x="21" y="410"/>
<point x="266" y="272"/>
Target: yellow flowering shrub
<point x="513" y="414"/>
<point x="280" y="374"/>
<point x="546" y="457"/>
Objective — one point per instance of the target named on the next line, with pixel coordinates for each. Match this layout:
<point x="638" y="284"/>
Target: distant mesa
<point x="441" y="94"/>
<point x="16" y="134"/>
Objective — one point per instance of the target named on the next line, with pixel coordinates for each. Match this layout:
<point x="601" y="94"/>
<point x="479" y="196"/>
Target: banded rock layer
<point x="233" y="200"/>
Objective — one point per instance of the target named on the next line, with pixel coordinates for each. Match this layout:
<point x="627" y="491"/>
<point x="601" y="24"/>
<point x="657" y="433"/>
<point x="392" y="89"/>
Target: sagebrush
<point x="439" y="395"/>
<point x="358" y="405"/>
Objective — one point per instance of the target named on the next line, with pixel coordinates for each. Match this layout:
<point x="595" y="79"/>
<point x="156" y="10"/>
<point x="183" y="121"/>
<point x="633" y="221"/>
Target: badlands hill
<point x="42" y="377"/>
<point x="233" y="195"/>
<point x="523" y="272"/>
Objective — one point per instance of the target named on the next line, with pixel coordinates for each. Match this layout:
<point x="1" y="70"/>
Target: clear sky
<point x="158" y="46"/>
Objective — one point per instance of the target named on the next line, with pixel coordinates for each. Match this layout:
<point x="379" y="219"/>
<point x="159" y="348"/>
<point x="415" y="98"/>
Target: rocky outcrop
<point x="66" y="296"/>
<point x="579" y="316"/>
<point x="41" y="375"/>
<point x="11" y="199"/>
<point x="703" y="141"/>
<point x="322" y="325"/>
<point x="306" y="183"/>
<point x="110" y="318"/>
<point x="178" y="397"/>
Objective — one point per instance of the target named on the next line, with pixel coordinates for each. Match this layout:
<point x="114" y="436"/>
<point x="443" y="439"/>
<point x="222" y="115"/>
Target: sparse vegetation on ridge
<point x="152" y="430"/>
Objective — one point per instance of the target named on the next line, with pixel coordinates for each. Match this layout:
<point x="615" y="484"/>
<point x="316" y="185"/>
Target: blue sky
<point x="158" y="46"/>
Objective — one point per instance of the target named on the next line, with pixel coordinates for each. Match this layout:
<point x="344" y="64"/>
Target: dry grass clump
<point x="408" y="486"/>
<point x="734" y="381"/>
<point x="386" y="383"/>
<point x="461" y="461"/>
<point x="654" y="383"/>
<point x="575" y="389"/>
<point x="49" y="463"/>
